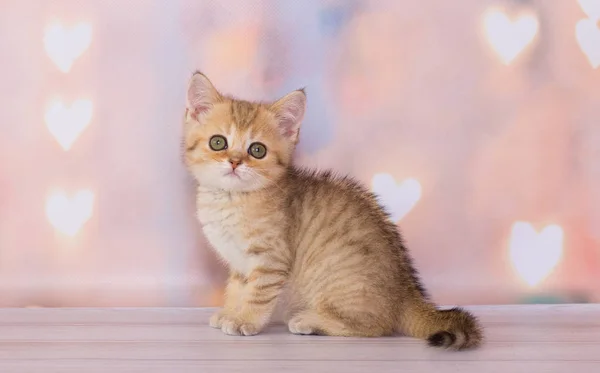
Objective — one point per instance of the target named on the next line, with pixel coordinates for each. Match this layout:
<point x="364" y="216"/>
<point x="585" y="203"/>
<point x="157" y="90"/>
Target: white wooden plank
<point x="585" y="313"/>
<point x="279" y="366"/>
<point x="562" y="332"/>
<point x="522" y="338"/>
<point x="369" y="350"/>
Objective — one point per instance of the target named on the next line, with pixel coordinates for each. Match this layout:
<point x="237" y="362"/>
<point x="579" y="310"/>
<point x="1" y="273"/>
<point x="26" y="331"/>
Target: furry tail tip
<point x="464" y="333"/>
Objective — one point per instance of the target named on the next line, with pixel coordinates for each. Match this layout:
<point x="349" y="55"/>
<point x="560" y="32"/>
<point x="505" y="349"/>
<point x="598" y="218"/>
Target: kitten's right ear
<point x="201" y="95"/>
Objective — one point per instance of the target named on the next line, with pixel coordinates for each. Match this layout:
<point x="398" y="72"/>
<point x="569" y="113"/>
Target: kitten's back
<point x="351" y="264"/>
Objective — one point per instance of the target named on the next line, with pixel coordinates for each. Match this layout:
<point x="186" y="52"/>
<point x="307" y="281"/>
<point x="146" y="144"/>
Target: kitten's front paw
<point x="216" y="320"/>
<point x="298" y="325"/>
<point x="238" y="326"/>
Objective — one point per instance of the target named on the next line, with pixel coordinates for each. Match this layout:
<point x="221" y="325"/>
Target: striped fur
<point x="323" y="237"/>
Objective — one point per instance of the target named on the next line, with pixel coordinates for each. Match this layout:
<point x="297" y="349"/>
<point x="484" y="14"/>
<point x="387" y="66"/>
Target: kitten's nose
<point x="235" y="163"/>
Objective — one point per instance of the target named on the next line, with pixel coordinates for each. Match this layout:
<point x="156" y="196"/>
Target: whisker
<point x="257" y="175"/>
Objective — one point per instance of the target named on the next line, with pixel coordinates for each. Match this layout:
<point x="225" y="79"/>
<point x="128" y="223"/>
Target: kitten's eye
<point x="257" y="150"/>
<point x="217" y="142"/>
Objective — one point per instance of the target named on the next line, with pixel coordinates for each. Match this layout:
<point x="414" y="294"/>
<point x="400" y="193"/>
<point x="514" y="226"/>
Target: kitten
<point x="324" y="238"/>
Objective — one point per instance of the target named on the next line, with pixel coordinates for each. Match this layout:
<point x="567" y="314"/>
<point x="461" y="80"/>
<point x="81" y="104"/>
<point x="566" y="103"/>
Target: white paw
<point x="233" y="326"/>
<point x="216" y="320"/>
<point x="297" y="325"/>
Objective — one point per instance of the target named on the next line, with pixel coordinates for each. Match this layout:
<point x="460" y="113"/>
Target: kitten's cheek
<point x="188" y="159"/>
<point x="203" y="174"/>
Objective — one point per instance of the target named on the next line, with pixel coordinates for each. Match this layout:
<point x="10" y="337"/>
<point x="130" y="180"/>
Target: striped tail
<point x="454" y="329"/>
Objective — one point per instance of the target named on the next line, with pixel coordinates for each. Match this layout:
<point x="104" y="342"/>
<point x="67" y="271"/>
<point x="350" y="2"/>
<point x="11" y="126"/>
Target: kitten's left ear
<point x="289" y="111"/>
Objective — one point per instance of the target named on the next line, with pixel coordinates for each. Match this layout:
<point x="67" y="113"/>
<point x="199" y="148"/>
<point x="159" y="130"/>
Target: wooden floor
<point x="528" y="339"/>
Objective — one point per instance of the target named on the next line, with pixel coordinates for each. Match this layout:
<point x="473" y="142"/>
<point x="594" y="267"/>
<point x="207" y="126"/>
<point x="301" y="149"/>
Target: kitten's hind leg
<point x="312" y="322"/>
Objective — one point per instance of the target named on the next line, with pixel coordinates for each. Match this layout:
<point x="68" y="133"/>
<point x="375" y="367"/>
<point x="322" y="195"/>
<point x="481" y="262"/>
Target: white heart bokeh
<point x="398" y="199"/>
<point x="64" y="45"/>
<point x="591" y="8"/>
<point x="507" y="37"/>
<point x="66" y="123"/>
<point x="534" y="255"/>
<point x="69" y="214"/>
<point x="588" y="37"/>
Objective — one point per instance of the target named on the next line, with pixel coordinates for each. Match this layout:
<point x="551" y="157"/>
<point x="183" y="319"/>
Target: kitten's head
<point x="238" y="145"/>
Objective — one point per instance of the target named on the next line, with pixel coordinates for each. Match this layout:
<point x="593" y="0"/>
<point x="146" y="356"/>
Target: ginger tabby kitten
<point x="323" y="237"/>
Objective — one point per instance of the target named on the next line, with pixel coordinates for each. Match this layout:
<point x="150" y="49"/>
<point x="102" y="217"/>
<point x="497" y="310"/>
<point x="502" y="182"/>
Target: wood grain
<point x="524" y="338"/>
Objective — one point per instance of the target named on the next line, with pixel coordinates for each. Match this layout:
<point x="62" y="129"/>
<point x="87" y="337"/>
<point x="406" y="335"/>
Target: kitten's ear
<point x="289" y="111"/>
<point x="201" y="95"/>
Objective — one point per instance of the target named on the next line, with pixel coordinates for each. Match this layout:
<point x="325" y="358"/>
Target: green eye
<point x="257" y="150"/>
<point x="217" y="142"/>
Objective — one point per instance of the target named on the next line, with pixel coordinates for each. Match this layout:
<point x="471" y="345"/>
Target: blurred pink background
<point x="477" y="124"/>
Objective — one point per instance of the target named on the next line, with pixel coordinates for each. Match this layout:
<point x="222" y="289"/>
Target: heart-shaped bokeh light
<point x="534" y="255"/>
<point x="67" y="122"/>
<point x="588" y="38"/>
<point x="509" y="37"/>
<point x="65" y="44"/>
<point x="69" y="214"/>
<point x="591" y="8"/>
<point x="398" y="198"/>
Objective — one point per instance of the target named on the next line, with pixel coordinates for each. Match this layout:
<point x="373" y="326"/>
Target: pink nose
<point x="234" y="163"/>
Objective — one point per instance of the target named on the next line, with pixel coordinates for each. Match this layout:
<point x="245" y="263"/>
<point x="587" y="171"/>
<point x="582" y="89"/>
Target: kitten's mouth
<point x="232" y="173"/>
